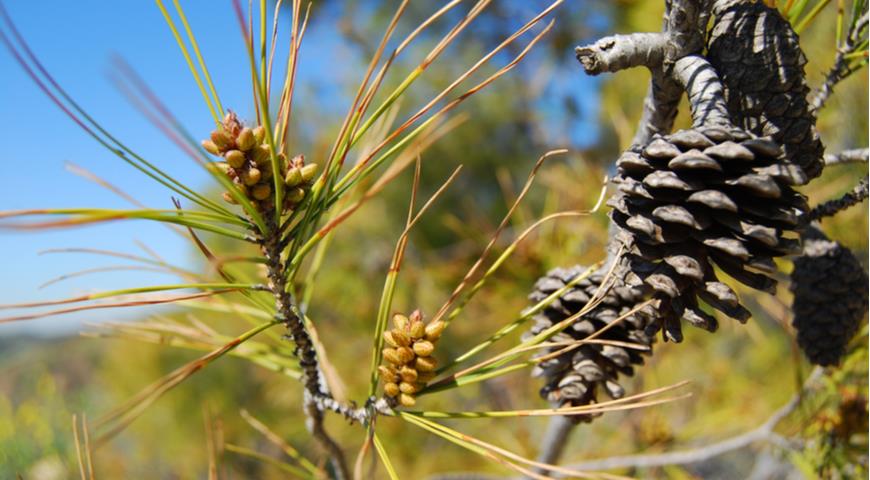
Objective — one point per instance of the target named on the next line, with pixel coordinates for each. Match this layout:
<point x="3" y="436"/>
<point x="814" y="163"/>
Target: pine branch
<point x="316" y="392"/>
<point x="317" y="397"/>
<point x="683" y="34"/>
<point x="842" y="67"/>
<point x="619" y="52"/>
<point x="704" y="89"/>
<point x="555" y="440"/>
<point x="763" y="433"/>
<point x="832" y="207"/>
<point x="856" y="155"/>
<point x="659" y="108"/>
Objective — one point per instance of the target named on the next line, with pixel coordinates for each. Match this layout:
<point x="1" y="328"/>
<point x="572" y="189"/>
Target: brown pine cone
<point x="830" y="298"/>
<point x="759" y="60"/>
<point x="575" y="377"/>
<point x="699" y="197"/>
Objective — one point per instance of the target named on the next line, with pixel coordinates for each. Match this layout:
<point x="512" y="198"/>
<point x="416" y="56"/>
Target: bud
<point x="295" y="195"/>
<point x="235" y="158"/>
<point x="219" y="167"/>
<point x="417" y="329"/>
<point x="425" y="377"/>
<point x="388" y="337"/>
<point x="388" y="374"/>
<point x="265" y="170"/>
<point x="400" y="321"/>
<point x="297" y="161"/>
<point x="405" y="355"/>
<point x="259" y="134"/>
<point x="229" y="198"/>
<point x="416" y="315"/>
<point x="408" y="374"/>
<point x="261" y="191"/>
<point x="425" y="364"/>
<point x="221" y="139"/>
<point x="293" y="177"/>
<point x="408" y="388"/>
<point x="210" y="147"/>
<point x="261" y="154"/>
<point x="251" y="176"/>
<point x="391" y="389"/>
<point x="246" y="140"/>
<point x="423" y="348"/>
<point x="392" y="355"/>
<point x="401" y="337"/>
<point x="434" y="329"/>
<point x="308" y="172"/>
<point x="407" y="400"/>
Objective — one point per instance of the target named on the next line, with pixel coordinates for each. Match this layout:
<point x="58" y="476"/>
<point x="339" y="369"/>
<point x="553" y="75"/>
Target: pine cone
<point x="713" y="194"/>
<point x="830" y="298"/>
<point x="759" y="60"/>
<point x="574" y="377"/>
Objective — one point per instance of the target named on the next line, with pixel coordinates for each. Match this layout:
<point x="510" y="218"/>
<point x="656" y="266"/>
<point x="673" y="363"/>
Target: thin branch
<point x="306" y="353"/>
<point x="832" y="207"/>
<point x="619" y="52"/>
<point x="764" y="432"/>
<point x="704" y="89"/>
<point x="659" y="107"/>
<point x="682" y="34"/>
<point x="856" y="155"/>
<point x="555" y="440"/>
<point x="842" y="67"/>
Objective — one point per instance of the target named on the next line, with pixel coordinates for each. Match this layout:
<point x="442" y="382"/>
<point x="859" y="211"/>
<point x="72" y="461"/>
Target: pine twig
<point x="842" y="67"/>
<point x="315" y="388"/>
<point x="683" y="34"/>
<point x="619" y="52"/>
<point x="832" y="207"/>
<point x="704" y="89"/>
<point x="764" y="432"/>
<point x="855" y="155"/>
<point x="555" y="440"/>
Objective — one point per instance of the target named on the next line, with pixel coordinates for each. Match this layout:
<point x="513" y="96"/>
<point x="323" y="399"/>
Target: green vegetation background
<point x="739" y="375"/>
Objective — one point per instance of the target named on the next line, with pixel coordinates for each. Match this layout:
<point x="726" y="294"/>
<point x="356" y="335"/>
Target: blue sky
<point x="76" y="41"/>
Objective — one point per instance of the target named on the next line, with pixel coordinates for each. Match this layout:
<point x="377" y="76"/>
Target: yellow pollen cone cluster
<point x="408" y="356"/>
<point x="247" y="161"/>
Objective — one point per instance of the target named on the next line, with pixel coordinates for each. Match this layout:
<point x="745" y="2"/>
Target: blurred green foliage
<point x="739" y="375"/>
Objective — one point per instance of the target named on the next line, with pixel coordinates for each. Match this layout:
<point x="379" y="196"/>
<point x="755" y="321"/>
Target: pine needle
<point x="284" y="467"/>
<point x="199" y="58"/>
<point x="104" y="138"/>
<point x="100" y="306"/>
<point x="110" y="268"/>
<point x="504" y="222"/>
<point x="276" y="440"/>
<point x="497" y="451"/>
<point x="190" y="65"/>
<point x="382" y="453"/>
<point x="118" y="419"/>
